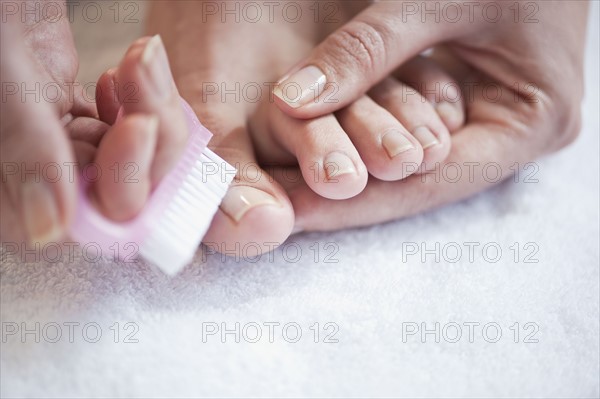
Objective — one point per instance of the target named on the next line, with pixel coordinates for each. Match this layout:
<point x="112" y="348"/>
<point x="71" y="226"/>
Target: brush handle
<point x="91" y="227"/>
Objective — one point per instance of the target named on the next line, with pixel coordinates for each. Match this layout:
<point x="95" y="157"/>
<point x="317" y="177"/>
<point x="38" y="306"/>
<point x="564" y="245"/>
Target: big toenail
<point x="241" y="199"/>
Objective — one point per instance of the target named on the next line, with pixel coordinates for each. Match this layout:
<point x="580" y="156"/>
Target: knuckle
<point x="568" y="121"/>
<point x="560" y="117"/>
<point x="570" y="126"/>
<point x="361" y="44"/>
<point x="567" y="107"/>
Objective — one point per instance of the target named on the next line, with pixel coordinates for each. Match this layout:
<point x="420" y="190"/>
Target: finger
<point x="43" y="201"/>
<point x="438" y="87"/>
<point x="387" y="148"/>
<point x="38" y="192"/>
<point x="145" y="85"/>
<point x="418" y="116"/>
<point x="89" y="130"/>
<point x="85" y="134"/>
<point x="255" y="214"/>
<point x="124" y="158"/>
<point x="355" y="57"/>
<point x="107" y="97"/>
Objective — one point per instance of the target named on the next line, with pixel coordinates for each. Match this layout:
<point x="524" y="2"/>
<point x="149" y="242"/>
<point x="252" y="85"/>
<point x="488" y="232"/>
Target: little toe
<point x="438" y="87"/>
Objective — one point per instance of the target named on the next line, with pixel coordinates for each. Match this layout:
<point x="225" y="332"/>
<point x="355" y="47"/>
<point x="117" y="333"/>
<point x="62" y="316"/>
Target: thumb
<point x="356" y="56"/>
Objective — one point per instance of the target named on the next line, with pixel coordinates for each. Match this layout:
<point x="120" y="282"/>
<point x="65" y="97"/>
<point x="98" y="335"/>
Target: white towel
<point x="370" y="295"/>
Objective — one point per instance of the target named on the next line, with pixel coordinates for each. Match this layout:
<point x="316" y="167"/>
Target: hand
<point x="256" y="214"/>
<point x="395" y="130"/>
<point x="535" y="67"/>
<point x="44" y="139"/>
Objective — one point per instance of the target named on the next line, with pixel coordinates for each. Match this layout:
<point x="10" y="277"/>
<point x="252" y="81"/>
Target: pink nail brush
<point x="177" y="214"/>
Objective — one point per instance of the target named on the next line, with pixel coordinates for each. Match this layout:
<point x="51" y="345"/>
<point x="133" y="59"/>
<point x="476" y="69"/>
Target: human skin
<point x="74" y="130"/>
<point x="547" y="56"/>
<point x="257" y="209"/>
<point x="203" y="52"/>
<point x="70" y="131"/>
<point x="537" y="66"/>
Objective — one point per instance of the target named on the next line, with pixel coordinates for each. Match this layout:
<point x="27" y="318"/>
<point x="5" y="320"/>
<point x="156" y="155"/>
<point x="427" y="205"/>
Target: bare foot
<point x="392" y="132"/>
<point x="213" y="64"/>
<point x="380" y="134"/>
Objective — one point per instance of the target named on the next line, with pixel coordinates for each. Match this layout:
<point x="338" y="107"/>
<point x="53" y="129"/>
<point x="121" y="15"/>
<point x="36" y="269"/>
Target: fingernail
<point x="337" y="164"/>
<point x="447" y="112"/>
<point x="40" y="213"/>
<point x="395" y="143"/>
<point x="154" y="59"/>
<point x="112" y="73"/>
<point x="301" y="87"/>
<point x="425" y="137"/>
<point x="241" y="199"/>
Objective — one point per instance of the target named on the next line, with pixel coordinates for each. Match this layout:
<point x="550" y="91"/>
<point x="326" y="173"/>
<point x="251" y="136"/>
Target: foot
<point x="256" y="214"/>
<point x="213" y="64"/>
<point x="397" y="129"/>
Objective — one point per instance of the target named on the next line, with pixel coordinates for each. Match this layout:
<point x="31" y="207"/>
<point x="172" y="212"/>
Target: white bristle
<point x="176" y="235"/>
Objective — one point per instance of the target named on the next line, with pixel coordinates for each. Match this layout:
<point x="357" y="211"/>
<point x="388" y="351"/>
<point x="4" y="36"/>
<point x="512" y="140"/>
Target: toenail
<point x="241" y="199"/>
<point x="301" y="87"/>
<point x="395" y="143"/>
<point x="425" y="137"/>
<point x="337" y="164"/>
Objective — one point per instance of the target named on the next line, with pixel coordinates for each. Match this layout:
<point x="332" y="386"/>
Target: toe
<point x="438" y="87"/>
<point x="418" y="116"/>
<point x="388" y="149"/>
<point x="330" y="164"/>
<point x="256" y="215"/>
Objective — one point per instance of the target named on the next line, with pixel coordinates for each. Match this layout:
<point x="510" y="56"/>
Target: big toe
<point x="256" y="215"/>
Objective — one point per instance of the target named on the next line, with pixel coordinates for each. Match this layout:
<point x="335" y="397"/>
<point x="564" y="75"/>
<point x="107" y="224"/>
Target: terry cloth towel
<point x="364" y="312"/>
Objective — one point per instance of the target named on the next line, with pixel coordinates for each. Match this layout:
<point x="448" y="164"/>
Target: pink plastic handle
<point x="90" y="226"/>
